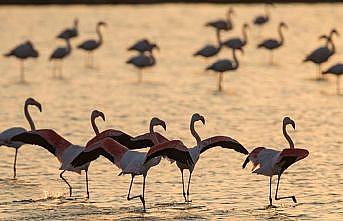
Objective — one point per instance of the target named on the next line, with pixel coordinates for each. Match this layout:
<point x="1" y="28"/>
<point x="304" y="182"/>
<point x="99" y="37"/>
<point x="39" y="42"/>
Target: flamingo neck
<point x="333" y="47"/>
<point x="195" y="134"/>
<point x="28" y="117"/>
<point x="218" y="38"/>
<point x="266" y="11"/>
<point x="94" y="126"/>
<point x="228" y="17"/>
<point x="245" y="36"/>
<point x="235" y="59"/>
<point x="281" y="35"/>
<point x="152" y="133"/>
<point x="288" y="138"/>
<point x="68" y="45"/>
<point x="99" y="34"/>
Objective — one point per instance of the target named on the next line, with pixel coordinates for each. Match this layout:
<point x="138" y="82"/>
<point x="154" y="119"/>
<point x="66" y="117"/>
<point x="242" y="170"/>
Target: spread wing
<point x="223" y="141"/>
<point x="289" y="156"/>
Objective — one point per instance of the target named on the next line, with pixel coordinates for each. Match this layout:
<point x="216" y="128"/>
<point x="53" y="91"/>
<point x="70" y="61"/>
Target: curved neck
<point x="266" y="10"/>
<point x="288" y="138"/>
<point x="245" y="36"/>
<point x="195" y="134"/>
<point x="152" y="133"/>
<point x="94" y="126"/>
<point x="333" y="47"/>
<point x="235" y="59"/>
<point x="28" y="117"/>
<point x="228" y="17"/>
<point x="281" y="35"/>
<point x="99" y="34"/>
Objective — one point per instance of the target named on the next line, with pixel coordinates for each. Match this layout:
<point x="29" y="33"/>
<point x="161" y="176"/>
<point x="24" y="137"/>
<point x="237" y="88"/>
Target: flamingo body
<point x="142" y="61"/>
<point x="207" y="51"/>
<point x="69" y="33"/>
<point x="23" y="51"/>
<point x="143" y="46"/>
<point x="261" y="20"/>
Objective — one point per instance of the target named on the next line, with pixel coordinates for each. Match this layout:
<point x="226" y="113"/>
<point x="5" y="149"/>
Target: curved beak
<point x="202" y="119"/>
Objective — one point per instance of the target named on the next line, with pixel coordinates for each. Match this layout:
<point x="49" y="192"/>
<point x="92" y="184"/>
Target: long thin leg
<point x="142" y="198"/>
<point x="270" y="192"/>
<point x="220" y="77"/>
<point x="61" y="69"/>
<point x="271" y="58"/>
<point x="15" y="164"/>
<point x="87" y="184"/>
<point x="22" y="77"/>
<point x="70" y="188"/>
<point x="319" y="72"/>
<point x="337" y="85"/>
<point x="138" y="196"/>
<point x="183" y="187"/>
<point x="284" y="197"/>
<point x="189" y="183"/>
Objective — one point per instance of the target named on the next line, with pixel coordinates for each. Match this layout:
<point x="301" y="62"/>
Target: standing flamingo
<point x="187" y="158"/>
<point x="142" y="61"/>
<point x="7" y="135"/>
<point x="129" y="161"/>
<point x="238" y="43"/>
<point x="273" y="162"/>
<point x="272" y="44"/>
<point x="222" y="25"/>
<point x="210" y="50"/>
<point x="263" y="19"/>
<point x="23" y="51"/>
<point x="322" y="54"/>
<point x="224" y="65"/>
<point x="59" y="54"/>
<point x="143" y="45"/>
<point x="69" y="33"/>
<point x="337" y="70"/>
<point x="90" y="45"/>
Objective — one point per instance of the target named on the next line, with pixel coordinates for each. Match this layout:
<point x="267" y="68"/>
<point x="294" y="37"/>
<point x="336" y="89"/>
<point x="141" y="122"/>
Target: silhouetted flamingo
<point x="143" y="45"/>
<point x="70" y="32"/>
<point x="59" y="54"/>
<point x="142" y="61"/>
<point x="238" y="43"/>
<point x="337" y="70"/>
<point x="263" y="19"/>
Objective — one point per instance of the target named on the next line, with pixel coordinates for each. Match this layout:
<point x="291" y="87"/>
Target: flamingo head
<point x="101" y="23"/>
<point x="154" y="45"/>
<point x="156" y="121"/>
<point x="287" y="120"/>
<point x="197" y="117"/>
<point x="334" y="31"/>
<point x="76" y="22"/>
<point x="239" y="49"/>
<point x="283" y="25"/>
<point x="96" y="113"/>
<point x="31" y="101"/>
<point x="246" y="26"/>
<point x="230" y="11"/>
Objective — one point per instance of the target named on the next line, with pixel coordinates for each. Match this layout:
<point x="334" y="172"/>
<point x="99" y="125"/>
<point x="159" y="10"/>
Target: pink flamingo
<point x="186" y="158"/>
<point x="273" y="162"/>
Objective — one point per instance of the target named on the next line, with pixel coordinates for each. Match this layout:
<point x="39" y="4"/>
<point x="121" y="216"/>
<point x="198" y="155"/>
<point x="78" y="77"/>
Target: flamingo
<point x="142" y="61"/>
<point x="59" y="54"/>
<point x="65" y="151"/>
<point x="222" y="25"/>
<point x="337" y="70"/>
<point x="274" y="162"/>
<point x="7" y="135"/>
<point x="23" y="51"/>
<point x="238" y="43"/>
<point x="129" y="161"/>
<point x="263" y="19"/>
<point x="143" y="45"/>
<point x="90" y="45"/>
<point x="69" y="33"/>
<point x="272" y="44"/>
<point x="224" y="65"/>
<point x="210" y="50"/>
<point x="322" y="54"/>
<point x="186" y="158"/>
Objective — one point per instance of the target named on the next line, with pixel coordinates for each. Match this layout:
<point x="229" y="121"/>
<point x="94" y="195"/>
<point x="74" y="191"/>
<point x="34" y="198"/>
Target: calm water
<point x="250" y="109"/>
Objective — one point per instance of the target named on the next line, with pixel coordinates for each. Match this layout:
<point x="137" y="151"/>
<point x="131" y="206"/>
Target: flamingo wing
<point x="45" y="138"/>
<point x="148" y="139"/>
<point x="223" y="141"/>
<point x="289" y="156"/>
<point x="174" y="150"/>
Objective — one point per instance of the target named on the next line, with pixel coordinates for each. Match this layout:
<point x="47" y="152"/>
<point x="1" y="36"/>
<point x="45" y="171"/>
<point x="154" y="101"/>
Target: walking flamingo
<point x="90" y="45"/>
<point x="70" y="32"/>
<point x="142" y="61"/>
<point x="337" y="70"/>
<point x="224" y="65"/>
<point x="238" y="43"/>
<point x="272" y="44"/>
<point x="322" y="54"/>
<point x="129" y="161"/>
<point x="187" y="158"/>
<point x="7" y="135"/>
<point x="59" y="54"/>
<point x="263" y="19"/>
<point x="23" y="51"/>
<point x="143" y="45"/>
<point x="273" y="162"/>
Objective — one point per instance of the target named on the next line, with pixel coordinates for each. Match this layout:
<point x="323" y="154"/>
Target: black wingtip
<point x="245" y="162"/>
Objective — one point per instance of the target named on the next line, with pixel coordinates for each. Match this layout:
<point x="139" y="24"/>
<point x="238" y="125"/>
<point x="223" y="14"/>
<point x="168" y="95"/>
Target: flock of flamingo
<point x="145" y="57"/>
<point x="120" y="148"/>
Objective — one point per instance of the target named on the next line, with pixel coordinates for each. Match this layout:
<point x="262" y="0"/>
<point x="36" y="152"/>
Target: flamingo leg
<point x="284" y="197"/>
<point x="270" y="192"/>
<point x="337" y="84"/>
<point x="140" y="75"/>
<point x="15" y="163"/>
<point x="319" y="72"/>
<point x="220" y="79"/>
<point x="70" y="188"/>
<point x="87" y="184"/>
<point x="22" y="77"/>
<point x="61" y="69"/>
<point x="183" y="187"/>
<point x="271" y="60"/>
<point x="140" y="196"/>
<point x="189" y="183"/>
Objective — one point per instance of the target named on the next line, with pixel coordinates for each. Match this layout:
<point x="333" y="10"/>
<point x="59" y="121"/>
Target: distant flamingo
<point x="142" y="61"/>
<point x="143" y="45"/>
<point x="7" y="135"/>
<point x="273" y="162"/>
<point x="210" y="50"/>
<point x="90" y="45"/>
<point x="187" y="158"/>
<point x="59" y="54"/>
<point x="322" y="54"/>
<point x="70" y="32"/>
<point x="223" y="25"/>
<point x="263" y="19"/>
<point x="224" y="65"/>
<point x="238" y="43"/>
<point x="337" y="70"/>
<point x="272" y="44"/>
<point x="22" y="52"/>
<point x="129" y="161"/>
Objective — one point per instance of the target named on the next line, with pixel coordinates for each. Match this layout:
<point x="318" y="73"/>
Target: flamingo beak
<point x="163" y="124"/>
<point x="102" y="115"/>
<point x="202" y="120"/>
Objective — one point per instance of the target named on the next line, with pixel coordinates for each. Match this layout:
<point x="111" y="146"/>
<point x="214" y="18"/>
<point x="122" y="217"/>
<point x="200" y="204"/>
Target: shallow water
<point x="250" y="109"/>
